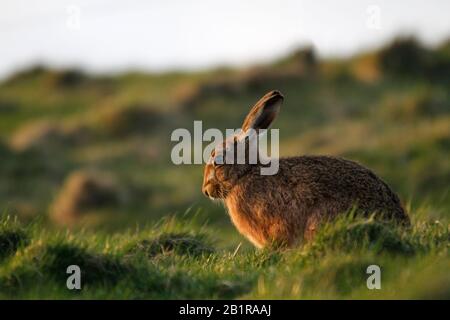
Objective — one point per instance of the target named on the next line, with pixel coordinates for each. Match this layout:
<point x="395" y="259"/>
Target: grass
<point x="177" y="259"/>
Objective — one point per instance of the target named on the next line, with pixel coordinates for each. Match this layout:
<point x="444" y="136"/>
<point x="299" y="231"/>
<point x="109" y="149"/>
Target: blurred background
<point x="90" y="92"/>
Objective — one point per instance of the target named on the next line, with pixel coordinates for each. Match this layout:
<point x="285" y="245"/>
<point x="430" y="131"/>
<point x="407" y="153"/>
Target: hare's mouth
<point x="213" y="192"/>
<point x="217" y="195"/>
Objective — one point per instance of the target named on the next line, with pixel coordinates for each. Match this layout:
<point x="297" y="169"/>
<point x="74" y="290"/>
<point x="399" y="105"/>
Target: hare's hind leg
<point x="312" y="226"/>
<point x="310" y="229"/>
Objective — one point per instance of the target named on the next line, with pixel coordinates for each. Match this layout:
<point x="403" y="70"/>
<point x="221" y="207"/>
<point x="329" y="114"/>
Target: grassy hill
<point x="178" y="258"/>
<point x="86" y="177"/>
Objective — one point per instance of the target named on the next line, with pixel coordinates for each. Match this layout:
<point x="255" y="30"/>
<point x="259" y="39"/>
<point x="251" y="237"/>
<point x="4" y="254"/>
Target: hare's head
<point x="223" y="168"/>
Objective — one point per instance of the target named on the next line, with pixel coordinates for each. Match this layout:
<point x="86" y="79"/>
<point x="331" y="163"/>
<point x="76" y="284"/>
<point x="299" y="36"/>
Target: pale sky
<point x="111" y="36"/>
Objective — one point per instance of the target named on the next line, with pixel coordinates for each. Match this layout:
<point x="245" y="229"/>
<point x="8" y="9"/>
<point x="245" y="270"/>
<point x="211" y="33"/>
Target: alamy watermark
<point x="237" y="147"/>
<point x="74" y="280"/>
<point x="73" y="21"/>
<point x="373" y="17"/>
<point x="374" y="280"/>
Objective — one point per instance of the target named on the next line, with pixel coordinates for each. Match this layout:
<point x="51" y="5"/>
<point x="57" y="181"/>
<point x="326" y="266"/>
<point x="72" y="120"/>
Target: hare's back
<point x="339" y="184"/>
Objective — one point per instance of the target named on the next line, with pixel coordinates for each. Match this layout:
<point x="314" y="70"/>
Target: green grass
<point x="177" y="258"/>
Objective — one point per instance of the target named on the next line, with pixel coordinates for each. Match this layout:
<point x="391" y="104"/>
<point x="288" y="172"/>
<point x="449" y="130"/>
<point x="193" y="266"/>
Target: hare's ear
<point x="263" y="112"/>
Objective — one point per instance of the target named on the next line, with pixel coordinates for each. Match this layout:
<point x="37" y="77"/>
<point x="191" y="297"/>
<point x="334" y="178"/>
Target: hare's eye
<point x="218" y="160"/>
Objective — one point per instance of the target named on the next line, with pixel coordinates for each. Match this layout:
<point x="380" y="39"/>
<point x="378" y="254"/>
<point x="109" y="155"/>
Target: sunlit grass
<point x="179" y="258"/>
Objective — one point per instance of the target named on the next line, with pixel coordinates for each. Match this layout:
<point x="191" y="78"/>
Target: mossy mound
<point x="177" y="243"/>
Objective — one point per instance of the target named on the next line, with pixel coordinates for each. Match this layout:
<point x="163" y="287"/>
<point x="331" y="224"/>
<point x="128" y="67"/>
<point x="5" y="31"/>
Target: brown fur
<point x="288" y="207"/>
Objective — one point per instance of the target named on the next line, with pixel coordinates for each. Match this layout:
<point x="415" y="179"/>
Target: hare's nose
<point x="205" y="191"/>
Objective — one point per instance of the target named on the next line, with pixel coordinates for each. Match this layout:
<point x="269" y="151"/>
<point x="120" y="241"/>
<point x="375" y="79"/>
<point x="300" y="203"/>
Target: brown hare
<point x="286" y="208"/>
